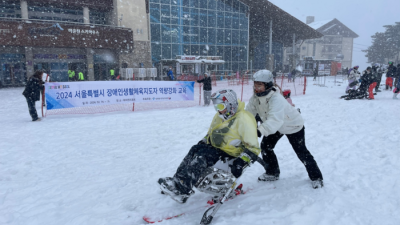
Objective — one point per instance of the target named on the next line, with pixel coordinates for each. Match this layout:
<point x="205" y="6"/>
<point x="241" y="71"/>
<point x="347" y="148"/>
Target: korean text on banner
<point x="60" y="95"/>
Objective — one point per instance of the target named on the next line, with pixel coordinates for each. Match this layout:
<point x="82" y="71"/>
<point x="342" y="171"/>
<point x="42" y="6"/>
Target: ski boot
<point x="168" y="187"/>
<point x="395" y="96"/>
<point x="266" y="177"/>
<point x="317" y="183"/>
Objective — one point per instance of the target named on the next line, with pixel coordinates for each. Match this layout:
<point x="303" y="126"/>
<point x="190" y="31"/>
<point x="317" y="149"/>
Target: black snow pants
<point x="378" y="82"/>
<point x="297" y="140"/>
<point x="199" y="158"/>
<point x="32" y="109"/>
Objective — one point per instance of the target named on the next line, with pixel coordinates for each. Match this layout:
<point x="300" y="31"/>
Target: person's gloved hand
<point x="359" y="80"/>
<point x="258" y="118"/>
<point x="239" y="164"/>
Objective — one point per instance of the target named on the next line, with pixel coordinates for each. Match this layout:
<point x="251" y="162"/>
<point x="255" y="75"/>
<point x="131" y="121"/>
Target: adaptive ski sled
<point x="220" y="183"/>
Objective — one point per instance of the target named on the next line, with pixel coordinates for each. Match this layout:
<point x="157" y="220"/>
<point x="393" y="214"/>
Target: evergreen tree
<point x="385" y="45"/>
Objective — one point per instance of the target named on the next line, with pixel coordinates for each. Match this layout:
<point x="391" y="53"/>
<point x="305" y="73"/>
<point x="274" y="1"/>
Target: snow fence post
<point x="200" y="93"/>
<point x="241" y="98"/>
<point x="133" y="79"/>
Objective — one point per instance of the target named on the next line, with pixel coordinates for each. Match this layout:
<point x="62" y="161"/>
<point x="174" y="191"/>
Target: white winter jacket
<point x="276" y="113"/>
<point x="354" y="75"/>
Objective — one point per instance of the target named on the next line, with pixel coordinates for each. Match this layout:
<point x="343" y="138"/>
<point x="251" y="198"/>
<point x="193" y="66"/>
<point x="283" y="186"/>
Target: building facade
<point x="97" y="36"/>
<point x="336" y="44"/>
<point x="200" y="28"/>
<point x="56" y="36"/>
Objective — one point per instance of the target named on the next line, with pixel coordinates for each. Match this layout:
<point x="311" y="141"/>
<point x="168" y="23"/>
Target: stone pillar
<point x="270" y="56"/>
<point x="270" y="62"/>
<point x="86" y="17"/>
<point x="113" y="15"/>
<point x="90" y="64"/>
<point x="29" y="61"/>
<point x="24" y="9"/>
<point x="270" y="37"/>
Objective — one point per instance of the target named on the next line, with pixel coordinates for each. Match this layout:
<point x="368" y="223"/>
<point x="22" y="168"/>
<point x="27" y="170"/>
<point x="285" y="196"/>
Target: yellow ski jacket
<point x="234" y="134"/>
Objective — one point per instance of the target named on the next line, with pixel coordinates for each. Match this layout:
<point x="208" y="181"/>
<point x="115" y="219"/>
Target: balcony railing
<point x="91" y="25"/>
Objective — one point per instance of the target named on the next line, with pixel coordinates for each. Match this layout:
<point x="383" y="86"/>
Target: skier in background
<point x="354" y="76"/>
<point x="274" y="74"/>
<point x="379" y="72"/>
<point x="315" y="73"/>
<point x="112" y="74"/>
<point x="80" y="76"/>
<point x="397" y="84"/>
<point x="32" y="93"/>
<point x="232" y="132"/>
<point x="207" y="88"/>
<point x="390" y="73"/>
<point x="71" y="75"/>
<point x="279" y="118"/>
<point x="170" y="74"/>
<point x="369" y="77"/>
<point x="397" y="75"/>
<point x="294" y="72"/>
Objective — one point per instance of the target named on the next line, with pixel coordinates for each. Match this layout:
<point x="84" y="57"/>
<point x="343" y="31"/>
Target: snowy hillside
<point x="103" y="169"/>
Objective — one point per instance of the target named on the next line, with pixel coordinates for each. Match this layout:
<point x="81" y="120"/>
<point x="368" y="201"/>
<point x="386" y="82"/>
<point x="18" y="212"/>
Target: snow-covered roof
<point x="318" y="24"/>
<point x="335" y="27"/>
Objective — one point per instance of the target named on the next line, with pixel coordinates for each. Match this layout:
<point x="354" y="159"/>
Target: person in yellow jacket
<point x="232" y="130"/>
<point x="80" y="76"/>
<point x="71" y="75"/>
<point x="112" y="74"/>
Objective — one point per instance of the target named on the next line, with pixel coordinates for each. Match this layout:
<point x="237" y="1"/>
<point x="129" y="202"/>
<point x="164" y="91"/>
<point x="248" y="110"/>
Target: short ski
<point x="238" y="191"/>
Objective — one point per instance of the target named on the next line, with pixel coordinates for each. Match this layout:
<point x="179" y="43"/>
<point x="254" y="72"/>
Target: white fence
<point x="140" y="73"/>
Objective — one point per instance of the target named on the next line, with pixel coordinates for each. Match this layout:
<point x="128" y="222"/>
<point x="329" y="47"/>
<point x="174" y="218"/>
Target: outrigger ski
<point x="237" y="191"/>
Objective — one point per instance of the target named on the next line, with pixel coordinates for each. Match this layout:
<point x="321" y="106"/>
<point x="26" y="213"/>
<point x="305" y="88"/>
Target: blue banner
<point x="60" y="95"/>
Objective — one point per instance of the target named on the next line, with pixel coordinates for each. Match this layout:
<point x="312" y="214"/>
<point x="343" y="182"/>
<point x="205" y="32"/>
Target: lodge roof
<point x="333" y="27"/>
<point x="284" y="25"/>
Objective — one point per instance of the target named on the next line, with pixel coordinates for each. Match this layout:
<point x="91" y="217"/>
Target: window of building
<point x="10" y="9"/>
<point x="97" y="17"/>
<point x="49" y="12"/>
<point x="314" y="48"/>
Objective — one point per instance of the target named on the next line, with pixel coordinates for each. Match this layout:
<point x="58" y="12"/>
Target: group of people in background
<point x="72" y="76"/>
<point x="80" y="77"/>
<point x="362" y="85"/>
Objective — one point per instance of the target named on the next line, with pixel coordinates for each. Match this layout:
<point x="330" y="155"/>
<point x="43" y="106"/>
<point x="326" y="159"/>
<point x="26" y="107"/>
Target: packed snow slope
<point x="103" y="169"/>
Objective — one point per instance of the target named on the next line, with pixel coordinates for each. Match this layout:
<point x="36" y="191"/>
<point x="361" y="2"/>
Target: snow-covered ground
<point x="103" y="168"/>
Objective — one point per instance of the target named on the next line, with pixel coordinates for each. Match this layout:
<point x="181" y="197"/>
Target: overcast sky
<point x="364" y="17"/>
